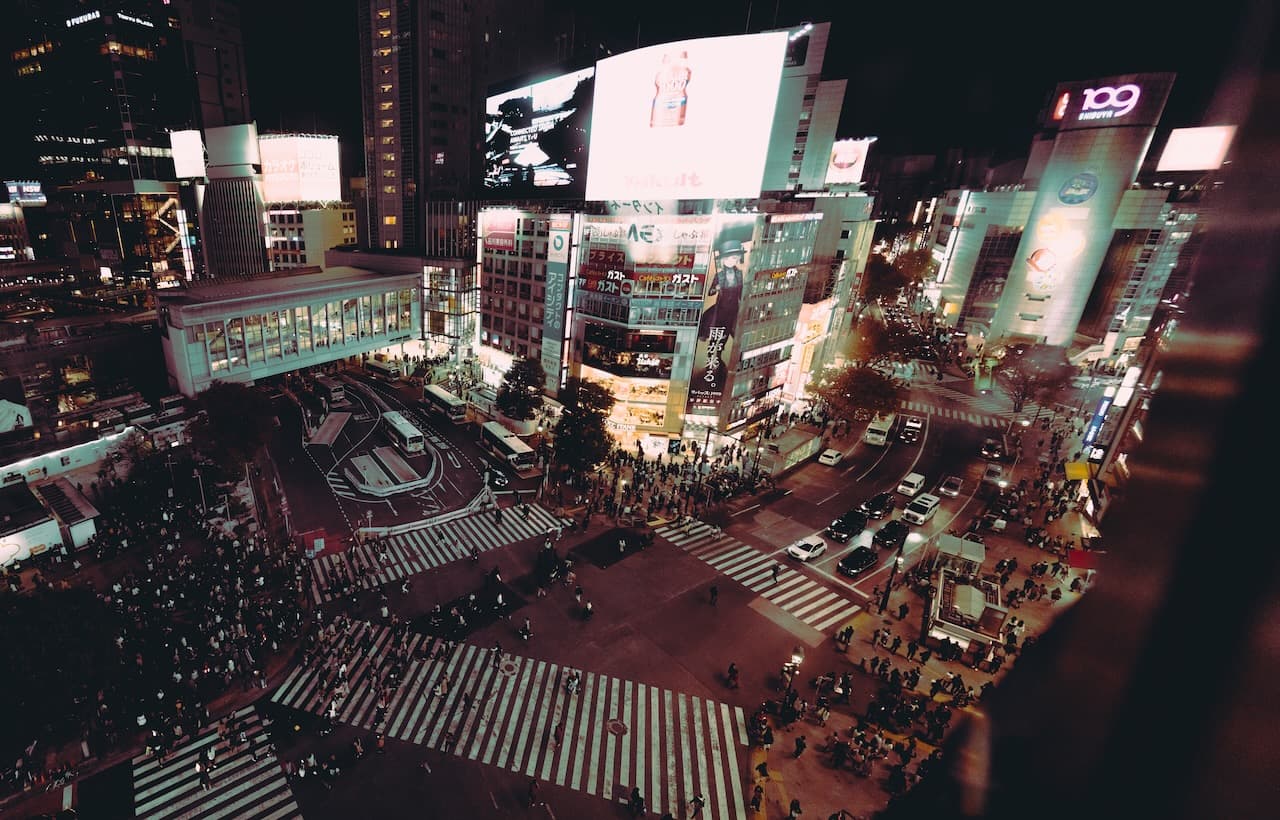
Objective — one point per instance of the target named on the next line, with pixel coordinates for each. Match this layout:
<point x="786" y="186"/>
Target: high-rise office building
<point x="213" y="45"/>
<point x="100" y="88"/>
<point x="425" y="66"/>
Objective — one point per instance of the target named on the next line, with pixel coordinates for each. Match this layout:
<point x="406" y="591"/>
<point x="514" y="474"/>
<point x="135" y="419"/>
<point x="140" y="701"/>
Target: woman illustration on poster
<point x="719" y="317"/>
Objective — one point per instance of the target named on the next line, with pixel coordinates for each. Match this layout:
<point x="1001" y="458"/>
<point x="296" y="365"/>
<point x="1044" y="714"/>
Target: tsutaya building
<point x="1023" y="263"/>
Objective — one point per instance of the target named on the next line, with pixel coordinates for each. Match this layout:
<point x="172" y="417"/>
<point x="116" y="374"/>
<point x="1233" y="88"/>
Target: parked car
<point x="807" y="548"/>
<point x="844" y="528"/>
<point x="892" y="535"/>
<point x="857" y="561"/>
<point x="878" y="505"/>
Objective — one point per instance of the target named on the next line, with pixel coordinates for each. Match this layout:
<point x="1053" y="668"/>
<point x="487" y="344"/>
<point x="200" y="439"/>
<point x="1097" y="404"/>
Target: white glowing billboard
<point x="1196" y="149"/>
<point x="300" y="168"/>
<point x="685" y="120"/>
<point x="188" y="153"/>
<point x="848" y="159"/>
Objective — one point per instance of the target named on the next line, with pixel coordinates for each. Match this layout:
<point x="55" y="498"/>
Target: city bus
<point x="445" y="403"/>
<point x="506" y="445"/>
<point x="388" y="370"/>
<point x="333" y="390"/>
<point x="407" y="437"/>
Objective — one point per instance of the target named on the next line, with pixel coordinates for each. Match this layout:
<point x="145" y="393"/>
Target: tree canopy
<point x="520" y="394"/>
<point x="234" y="423"/>
<point x="581" y="440"/>
<point x="847" y="390"/>
<point x="1037" y="374"/>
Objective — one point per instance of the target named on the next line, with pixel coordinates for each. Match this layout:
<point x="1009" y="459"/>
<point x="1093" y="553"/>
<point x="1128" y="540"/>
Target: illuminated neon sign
<point x="138" y="20"/>
<point x="1109" y="102"/>
<point x="84" y="18"/>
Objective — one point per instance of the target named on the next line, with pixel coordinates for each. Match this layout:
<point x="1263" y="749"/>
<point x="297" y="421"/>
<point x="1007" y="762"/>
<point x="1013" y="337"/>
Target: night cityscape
<point x="728" y="410"/>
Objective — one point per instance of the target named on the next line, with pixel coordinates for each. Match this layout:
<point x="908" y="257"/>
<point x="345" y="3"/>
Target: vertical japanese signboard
<point x="557" y="304"/>
<point x="717" y="347"/>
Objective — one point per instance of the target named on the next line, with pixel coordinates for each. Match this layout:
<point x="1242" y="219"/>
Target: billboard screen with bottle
<point x="685" y="120"/>
<point x="536" y="136"/>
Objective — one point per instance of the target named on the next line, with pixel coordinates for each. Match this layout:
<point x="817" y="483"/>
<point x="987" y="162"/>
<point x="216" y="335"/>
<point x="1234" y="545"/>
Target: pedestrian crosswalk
<point x="508" y="711"/>
<point x="246" y="783"/>
<point x="791" y="590"/>
<point x="976" y="419"/>
<point x="987" y="411"/>
<point x="396" y="557"/>
<point x="339" y="486"/>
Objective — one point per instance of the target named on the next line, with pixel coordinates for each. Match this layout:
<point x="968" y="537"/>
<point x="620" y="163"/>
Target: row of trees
<point x="580" y="439"/>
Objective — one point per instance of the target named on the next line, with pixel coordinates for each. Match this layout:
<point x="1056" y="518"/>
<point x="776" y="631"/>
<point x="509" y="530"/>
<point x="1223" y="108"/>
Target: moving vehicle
<point x="879" y="429"/>
<point x="445" y="403"/>
<point x="994" y="474"/>
<point x="911" y="484"/>
<point x="830" y="457"/>
<point x="506" y="445"/>
<point x="950" y="486"/>
<point x="992" y="448"/>
<point x="892" y="535"/>
<point x="807" y="548"/>
<point x="844" y="528"/>
<point x="878" y="505"/>
<point x="857" y="561"/>
<point x="407" y="437"/>
<point x="912" y="427"/>
<point x="922" y="509"/>
<point x="388" y="370"/>
<point x="333" y="390"/>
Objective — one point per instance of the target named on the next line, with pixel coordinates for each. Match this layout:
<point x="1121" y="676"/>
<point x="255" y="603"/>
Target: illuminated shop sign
<point x="136" y="20"/>
<point x="1109" y="102"/>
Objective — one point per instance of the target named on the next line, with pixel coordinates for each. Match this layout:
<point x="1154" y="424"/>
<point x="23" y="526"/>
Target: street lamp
<point x="792" y="667"/>
<point x="200" y="479"/>
<point x="893" y="574"/>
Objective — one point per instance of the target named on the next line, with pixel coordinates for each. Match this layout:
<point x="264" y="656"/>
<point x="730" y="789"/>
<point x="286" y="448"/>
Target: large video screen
<point x="535" y="141"/>
<point x="300" y="168"/>
<point x="685" y="120"/>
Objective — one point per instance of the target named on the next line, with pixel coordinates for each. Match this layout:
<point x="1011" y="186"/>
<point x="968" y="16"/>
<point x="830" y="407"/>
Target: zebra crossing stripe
<point x="241" y="786"/>
<point x="618" y="734"/>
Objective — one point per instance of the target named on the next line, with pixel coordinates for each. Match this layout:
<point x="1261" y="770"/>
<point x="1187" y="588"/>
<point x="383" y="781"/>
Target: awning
<point x="957" y="547"/>
<point x="1084" y="559"/>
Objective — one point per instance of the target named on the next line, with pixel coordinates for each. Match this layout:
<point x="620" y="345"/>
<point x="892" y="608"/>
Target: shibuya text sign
<point x="1109" y="102"/>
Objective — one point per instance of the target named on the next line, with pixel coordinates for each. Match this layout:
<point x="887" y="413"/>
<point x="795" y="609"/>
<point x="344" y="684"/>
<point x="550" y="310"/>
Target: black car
<point x="992" y="448"/>
<point x="858" y="560"/>
<point x="877" y="506"/>
<point x="847" y="526"/>
<point x="892" y="535"/>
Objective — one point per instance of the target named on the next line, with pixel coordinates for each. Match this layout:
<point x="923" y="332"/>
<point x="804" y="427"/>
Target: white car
<point x="807" y="548"/>
<point x="830" y="457"/>
<point x="951" y="486"/>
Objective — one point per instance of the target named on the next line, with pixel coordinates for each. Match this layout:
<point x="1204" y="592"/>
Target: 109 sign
<point x="1109" y="102"/>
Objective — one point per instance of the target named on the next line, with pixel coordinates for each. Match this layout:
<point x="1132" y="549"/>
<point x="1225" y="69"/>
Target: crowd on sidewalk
<point x="193" y="611"/>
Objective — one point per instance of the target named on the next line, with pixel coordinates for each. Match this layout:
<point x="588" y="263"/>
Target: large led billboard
<point x="1196" y="149"/>
<point x="685" y="120"/>
<point x="651" y="256"/>
<point x="25" y="192"/>
<point x="848" y="159"/>
<point x="188" y="154"/>
<point x="300" y="168"/>
<point x="535" y="137"/>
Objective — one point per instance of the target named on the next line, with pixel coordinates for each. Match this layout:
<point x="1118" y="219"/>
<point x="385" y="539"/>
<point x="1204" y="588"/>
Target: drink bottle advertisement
<point x="685" y="120"/>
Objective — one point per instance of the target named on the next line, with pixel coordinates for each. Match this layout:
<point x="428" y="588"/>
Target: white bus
<point x="333" y="390"/>
<point x="506" y="445"/>
<point x="445" y="403"/>
<point x="879" y="430"/>
<point x="389" y="370"/>
<point x="406" y="436"/>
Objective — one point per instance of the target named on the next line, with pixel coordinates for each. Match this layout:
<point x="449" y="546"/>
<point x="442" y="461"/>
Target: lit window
<point x="389" y="157"/>
<point x="387" y="122"/>
<point x="384" y="14"/>
<point x="384" y="33"/>
<point x="388" y="189"/>
<point x="389" y="140"/>
<point x="384" y="52"/>
<point x="385" y="88"/>
<point x="386" y="69"/>
<point x="389" y="173"/>
<point x="386" y="105"/>
<point x="388" y="220"/>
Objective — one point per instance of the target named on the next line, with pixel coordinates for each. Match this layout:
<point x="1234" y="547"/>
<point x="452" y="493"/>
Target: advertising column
<point x="1105" y="127"/>
<point x="717" y="347"/>
<point x="558" y="305"/>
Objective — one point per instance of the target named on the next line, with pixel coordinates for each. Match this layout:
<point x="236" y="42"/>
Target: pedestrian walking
<point x="497" y="654"/>
<point x="801" y="745"/>
<point x="696" y="804"/>
<point x="897" y="641"/>
<point x="795" y="808"/>
<point x="206" y="782"/>
<point x="557" y="734"/>
<point x="777" y="570"/>
<point x="757" y="798"/>
<point x="715" y="594"/>
<point x="912" y="646"/>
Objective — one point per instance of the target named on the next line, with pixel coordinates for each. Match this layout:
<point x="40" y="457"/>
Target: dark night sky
<point x="922" y="76"/>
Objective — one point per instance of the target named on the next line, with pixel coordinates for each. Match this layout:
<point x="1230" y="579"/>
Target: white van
<point x="911" y="484"/>
<point x="922" y="509"/>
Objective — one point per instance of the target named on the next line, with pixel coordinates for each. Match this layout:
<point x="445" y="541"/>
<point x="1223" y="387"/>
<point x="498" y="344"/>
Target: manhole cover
<point x="508" y="668"/>
<point x="617" y="727"/>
